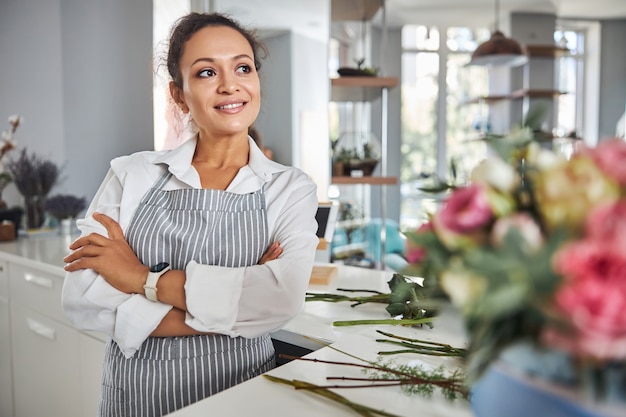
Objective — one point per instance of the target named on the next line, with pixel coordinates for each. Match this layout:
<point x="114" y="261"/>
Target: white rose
<point x="462" y="286"/>
<point x="543" y="158"/>
<point x="495" y="173"/>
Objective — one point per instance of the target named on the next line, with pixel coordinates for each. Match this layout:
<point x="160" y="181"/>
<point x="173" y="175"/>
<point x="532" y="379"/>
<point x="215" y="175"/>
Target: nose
<point x="228" y="84"/>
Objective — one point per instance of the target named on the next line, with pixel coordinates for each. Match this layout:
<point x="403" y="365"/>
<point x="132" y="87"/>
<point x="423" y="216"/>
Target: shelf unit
<point x="362" y="89"/>
<point x="527" y="92"/>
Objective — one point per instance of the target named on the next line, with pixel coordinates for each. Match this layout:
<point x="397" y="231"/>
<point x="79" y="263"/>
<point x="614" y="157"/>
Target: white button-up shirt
<point x="247" y="301"/>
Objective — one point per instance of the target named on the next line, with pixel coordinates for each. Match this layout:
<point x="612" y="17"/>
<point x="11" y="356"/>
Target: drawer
<point x="36" y="289"/>
<point x="46" y="377"/>
<point x="4" y="281"/>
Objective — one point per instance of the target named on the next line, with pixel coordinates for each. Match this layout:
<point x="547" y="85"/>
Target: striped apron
<point x="211" y="227"/>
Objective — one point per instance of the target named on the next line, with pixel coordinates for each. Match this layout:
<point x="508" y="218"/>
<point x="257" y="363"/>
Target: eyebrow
<point x="235" y="58"/>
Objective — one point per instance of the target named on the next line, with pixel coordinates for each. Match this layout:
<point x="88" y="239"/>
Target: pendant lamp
<point x="499" y="50"/>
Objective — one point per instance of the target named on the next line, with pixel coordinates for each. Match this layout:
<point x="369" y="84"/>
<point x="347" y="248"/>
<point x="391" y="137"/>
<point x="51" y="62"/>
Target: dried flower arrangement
<point x="34" y="177"/>
<point x="65" y="206"/>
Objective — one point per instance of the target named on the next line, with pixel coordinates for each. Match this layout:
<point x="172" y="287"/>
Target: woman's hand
<point x="111" y="257"/>
<point x="273" y="252"/>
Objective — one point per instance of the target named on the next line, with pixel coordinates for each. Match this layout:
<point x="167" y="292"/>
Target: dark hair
<point x="188" y="25"/>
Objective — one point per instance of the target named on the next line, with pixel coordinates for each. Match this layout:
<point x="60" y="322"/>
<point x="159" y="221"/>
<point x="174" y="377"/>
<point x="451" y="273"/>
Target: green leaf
<point x="535" y="116"/>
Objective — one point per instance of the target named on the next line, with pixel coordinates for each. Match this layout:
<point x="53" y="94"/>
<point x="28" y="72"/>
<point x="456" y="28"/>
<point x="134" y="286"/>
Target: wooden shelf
<point x="546" y="51"/>
<point x="517" y="95"/>
<point x="535" y="93"/>
<point x="364" y="180"/>
<point x="487" y="99"/>
<point x="359" y="88"/>
<point x="354" y="9"/>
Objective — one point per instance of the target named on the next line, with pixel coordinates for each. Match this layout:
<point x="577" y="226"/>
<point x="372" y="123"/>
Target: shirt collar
<point x="179" y="159"/>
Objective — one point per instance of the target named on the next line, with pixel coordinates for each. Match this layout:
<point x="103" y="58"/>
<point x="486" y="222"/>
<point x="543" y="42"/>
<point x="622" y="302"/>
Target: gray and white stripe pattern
<point x="210" y="227"/>
<point x="170" y="373"/>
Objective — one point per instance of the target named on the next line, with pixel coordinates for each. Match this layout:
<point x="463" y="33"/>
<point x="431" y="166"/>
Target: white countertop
<point x="44" y="251"/>
<point x="262" y="397"/>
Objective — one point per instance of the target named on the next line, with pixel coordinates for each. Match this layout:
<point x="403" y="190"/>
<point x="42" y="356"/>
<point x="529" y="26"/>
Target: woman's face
<point x="221" y="87"/>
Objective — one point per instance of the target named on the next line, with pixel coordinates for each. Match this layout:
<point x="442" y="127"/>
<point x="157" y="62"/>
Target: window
<point x="570" y="78"/>
<point x="437" y="122"/>
<point x="441" y="125"/>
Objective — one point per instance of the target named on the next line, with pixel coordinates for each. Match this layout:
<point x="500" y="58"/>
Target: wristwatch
<point x="153" y="277"/>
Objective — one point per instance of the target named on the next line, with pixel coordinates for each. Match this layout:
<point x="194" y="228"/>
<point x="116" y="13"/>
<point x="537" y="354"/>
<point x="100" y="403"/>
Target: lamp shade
<point x="499" y="50"/>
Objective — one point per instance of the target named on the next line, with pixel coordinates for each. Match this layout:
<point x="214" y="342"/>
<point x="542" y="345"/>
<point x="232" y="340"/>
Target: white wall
<point x="31" y="77"/>
<point x="612" y="76"/>
<point x="79" y="71"/>
<point x="275" y="121"/>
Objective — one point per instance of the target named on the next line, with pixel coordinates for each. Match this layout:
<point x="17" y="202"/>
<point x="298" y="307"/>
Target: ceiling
<point x="482" y="12"/>
<point x="310" y="17"/>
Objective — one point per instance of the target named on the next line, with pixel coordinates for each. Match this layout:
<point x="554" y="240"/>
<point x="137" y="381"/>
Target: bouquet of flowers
<point x="533" y="250"/>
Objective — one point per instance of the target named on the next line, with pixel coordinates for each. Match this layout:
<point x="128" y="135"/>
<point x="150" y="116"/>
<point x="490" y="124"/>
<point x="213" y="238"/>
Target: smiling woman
<point x="188" y="258"/>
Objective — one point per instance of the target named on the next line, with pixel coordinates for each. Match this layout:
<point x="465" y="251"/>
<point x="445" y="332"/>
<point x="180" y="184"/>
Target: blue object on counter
<point x="501" y="393"/>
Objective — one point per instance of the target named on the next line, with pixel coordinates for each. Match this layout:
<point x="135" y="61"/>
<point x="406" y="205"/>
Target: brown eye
<point x="206" y="73"/>
<point x="244" y="69"/>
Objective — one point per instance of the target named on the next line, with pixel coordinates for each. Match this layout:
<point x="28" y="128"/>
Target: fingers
<point x="273" y="252"/>
<point x="91" y="239"/>
<point x="113" y="228"/>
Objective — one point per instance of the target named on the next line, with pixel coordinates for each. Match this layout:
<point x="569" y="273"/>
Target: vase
<point x="66" y="226"/>
<point x="35" y="213"/>
<point x="506" y="391"/>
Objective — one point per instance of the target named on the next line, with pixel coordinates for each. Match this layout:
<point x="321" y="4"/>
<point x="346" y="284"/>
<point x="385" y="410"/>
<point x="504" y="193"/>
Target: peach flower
<point x="566" y="193"/>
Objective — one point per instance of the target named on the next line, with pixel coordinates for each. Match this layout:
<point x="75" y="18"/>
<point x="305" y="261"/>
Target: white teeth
<point x="231" y="106"/>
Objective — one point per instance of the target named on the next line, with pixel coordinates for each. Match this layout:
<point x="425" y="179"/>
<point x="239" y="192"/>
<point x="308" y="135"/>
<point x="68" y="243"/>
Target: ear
<point x="177" y="96"/>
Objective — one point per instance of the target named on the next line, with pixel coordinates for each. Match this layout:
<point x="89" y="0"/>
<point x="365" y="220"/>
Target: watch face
<point x="159" y="267"/>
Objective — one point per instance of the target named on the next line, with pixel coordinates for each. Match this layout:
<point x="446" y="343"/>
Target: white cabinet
<point x="47" y="367"/>
<point x="90" y="367"/>
<point x="6" y="389"/>
<point x="46" y="379"/>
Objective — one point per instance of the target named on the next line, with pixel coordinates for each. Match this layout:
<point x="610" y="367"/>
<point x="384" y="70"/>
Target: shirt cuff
<point x="103" y="294"/>
<point x="213" y="294"/>
<point x="136" y="320"/>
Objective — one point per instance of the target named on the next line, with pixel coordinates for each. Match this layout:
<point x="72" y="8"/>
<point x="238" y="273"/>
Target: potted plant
<point x="358" y="152"/>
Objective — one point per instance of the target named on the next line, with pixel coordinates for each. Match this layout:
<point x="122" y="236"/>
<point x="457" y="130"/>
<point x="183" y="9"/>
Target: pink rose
<point x="414" y="253"/>
<point x="607" y="222"/>
<point x="466" y="210"/>
<point x="593" y="296"/>
<point x="463" y="220"/>
<point x="610" y="155"/>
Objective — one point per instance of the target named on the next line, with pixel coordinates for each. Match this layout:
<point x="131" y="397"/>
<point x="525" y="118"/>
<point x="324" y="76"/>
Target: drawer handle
<point x="41" y="281"/>
<point x="41" y="329"/>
